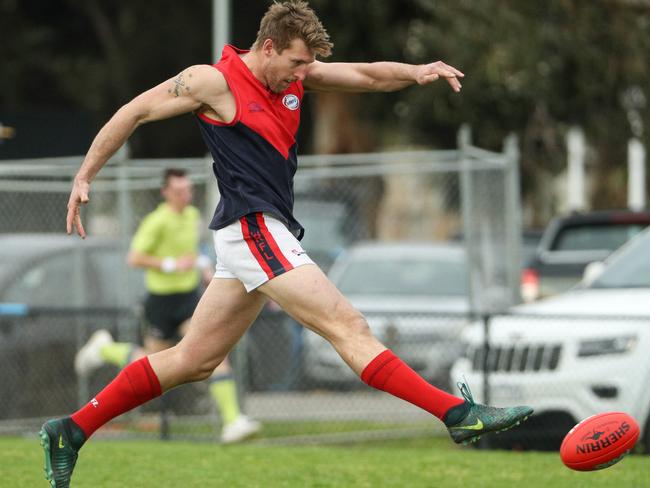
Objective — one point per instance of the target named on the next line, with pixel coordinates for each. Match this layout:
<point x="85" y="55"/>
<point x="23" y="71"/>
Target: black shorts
<point x="166" y="313"/>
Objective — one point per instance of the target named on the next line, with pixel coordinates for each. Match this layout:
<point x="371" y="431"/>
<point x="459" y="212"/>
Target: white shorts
<point x="256" y="249"/>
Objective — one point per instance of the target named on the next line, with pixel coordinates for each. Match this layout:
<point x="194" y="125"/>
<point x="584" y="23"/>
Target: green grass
<point x="430" y="462"/>
<point x="287" y="429"/>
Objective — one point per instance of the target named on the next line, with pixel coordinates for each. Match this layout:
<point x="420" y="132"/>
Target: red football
<point x="599" y="441"/>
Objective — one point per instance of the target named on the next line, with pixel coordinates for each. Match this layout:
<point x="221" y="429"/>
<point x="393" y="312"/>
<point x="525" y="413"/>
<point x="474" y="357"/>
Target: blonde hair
<point x="285" y="21"/>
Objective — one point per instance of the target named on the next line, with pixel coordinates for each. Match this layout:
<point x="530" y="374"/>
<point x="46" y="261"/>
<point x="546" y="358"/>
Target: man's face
<point x="284" y="68"/>
<point x="178" y="192"/>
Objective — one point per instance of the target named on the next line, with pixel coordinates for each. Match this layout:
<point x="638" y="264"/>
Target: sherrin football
<point x="599" y="441"/>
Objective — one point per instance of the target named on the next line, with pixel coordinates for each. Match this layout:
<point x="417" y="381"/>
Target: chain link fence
<point x="420" y="241"/>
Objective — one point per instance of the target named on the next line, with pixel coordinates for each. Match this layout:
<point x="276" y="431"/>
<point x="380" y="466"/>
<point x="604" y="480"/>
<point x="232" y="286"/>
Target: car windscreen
<point x="630" y="269"/>
<point x="597" y="236"/>
<point x="48" y="282"/>
<point x="323" y="232"/>
<point x="406" y="277"/>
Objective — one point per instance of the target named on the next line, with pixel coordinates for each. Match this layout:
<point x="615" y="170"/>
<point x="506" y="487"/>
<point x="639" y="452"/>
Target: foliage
<point x="94" y="56"/>
<point x="534" y="67"/>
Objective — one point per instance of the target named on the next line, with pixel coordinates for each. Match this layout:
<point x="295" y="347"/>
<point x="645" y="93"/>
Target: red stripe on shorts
<point x="251" y="245"/>
<point x="274" y="245"/>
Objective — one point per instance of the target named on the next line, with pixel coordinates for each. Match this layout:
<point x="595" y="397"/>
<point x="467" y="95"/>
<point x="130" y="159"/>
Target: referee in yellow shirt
<point x="166" y="245"/>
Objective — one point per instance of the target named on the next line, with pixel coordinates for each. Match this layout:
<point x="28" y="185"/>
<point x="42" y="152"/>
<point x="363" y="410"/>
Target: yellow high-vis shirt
<point x="164" y="233"/>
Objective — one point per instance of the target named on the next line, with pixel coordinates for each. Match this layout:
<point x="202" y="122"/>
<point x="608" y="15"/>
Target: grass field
<point x="433" y="462"/>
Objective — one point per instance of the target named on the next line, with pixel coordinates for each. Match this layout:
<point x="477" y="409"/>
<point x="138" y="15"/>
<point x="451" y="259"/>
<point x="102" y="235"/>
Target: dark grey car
<point x="415" y="297"/>
<point x="54" y="291"/>
<point x="571" y="242"/>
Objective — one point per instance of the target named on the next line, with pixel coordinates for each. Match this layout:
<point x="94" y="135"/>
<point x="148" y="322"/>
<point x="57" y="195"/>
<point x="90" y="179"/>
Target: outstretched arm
<point x="382" y="76"/>
<point x="188" y="91"/>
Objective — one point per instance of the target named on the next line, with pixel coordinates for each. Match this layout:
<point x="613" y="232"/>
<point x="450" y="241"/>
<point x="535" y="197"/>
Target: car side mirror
<point x="592" y="271"/>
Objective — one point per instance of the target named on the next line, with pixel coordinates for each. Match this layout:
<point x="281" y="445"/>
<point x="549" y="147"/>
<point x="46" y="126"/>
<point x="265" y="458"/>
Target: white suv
<point x="573" y="355"/>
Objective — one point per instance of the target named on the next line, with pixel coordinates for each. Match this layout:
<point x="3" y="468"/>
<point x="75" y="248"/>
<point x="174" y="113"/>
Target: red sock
<point x="136" y="384"/>
<point x="389" y="373"/>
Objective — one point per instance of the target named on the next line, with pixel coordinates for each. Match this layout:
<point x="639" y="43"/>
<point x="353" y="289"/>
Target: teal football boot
<point x="61" y="440"/>
<point x="468" y="421"/>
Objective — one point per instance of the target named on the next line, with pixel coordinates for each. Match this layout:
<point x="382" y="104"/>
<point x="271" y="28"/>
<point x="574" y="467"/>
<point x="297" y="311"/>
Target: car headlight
<point x="599" y="347"/>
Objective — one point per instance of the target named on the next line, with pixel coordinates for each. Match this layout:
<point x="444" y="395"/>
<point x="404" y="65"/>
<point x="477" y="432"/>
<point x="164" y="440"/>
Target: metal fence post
<point x="485" y="318"/>
<point x="463" y="141"/>
<point x="513" y="213"/>
<point x="83" y="390"/>
<point x="124" y="224"/>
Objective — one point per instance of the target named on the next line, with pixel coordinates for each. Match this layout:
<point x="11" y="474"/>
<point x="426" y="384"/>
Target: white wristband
<point x="203" y="262"/>
<point x="168" y="265"/>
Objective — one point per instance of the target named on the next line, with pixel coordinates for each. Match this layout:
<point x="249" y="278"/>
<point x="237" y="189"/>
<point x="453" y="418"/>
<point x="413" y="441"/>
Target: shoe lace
<point x="465" y="391"/>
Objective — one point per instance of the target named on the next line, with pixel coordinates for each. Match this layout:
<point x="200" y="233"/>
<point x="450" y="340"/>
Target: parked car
<point x="415" y="298"/>
<point x="59" y="271"/>
<point x="530" y="239"/>
<point x="571" y="242"/>
<point x="325" y="234"/>
<point x="570" y="356"/>
<point x="54" y="290"/>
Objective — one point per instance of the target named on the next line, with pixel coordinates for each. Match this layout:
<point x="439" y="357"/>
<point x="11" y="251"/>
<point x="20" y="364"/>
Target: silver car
<point x="415" y="298"/>
<point x="54" y="290"/>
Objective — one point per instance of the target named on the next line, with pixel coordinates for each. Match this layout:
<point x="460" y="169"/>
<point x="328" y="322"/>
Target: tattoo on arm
<point x="179" y="84"/>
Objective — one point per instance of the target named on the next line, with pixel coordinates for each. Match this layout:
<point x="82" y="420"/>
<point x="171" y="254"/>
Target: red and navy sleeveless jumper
<point x="255" y="154"/>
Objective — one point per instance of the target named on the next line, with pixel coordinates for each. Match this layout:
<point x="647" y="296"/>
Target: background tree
<point x="535" y="68"/>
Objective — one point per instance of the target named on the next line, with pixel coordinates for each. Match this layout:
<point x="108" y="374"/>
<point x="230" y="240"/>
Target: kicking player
<point x="166" y="245"/>
<point x="248" y="110"/>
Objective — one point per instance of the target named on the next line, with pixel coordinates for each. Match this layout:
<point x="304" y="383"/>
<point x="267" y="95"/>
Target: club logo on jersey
<point x="291" y="102"/>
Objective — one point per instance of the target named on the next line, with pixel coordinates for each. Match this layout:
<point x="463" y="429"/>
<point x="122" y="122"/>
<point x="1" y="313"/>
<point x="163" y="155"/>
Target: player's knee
<point x="202" y="374"/>
<point x="197" y="370"/>
<point x="359" y="327"/>
<point x="352" y="326"/>
<point x="205" y="369"/>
